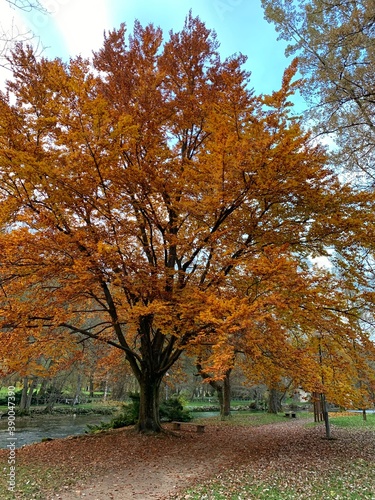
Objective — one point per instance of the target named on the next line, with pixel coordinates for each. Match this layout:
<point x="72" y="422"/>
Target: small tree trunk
<point x="91" y="386"/>
<point x="318" y="416"/>
<point x="364" y="415"/>
<point x="51" y="399"/>
<point x="325" y="416"/>
<point x="55" y="390"/>
<point x="118" y="390"/>
<point x="78" y="390"/>
<point x="149" y="419"/>
<point x="24" y="394"/>
<point x="42" y="389"/>
<point x="223" y="395"/>
<point x="105" y="389"/>
<point x="220" y="396"/>
<point x="30" y="393"/>
<point x="222" y="389"/>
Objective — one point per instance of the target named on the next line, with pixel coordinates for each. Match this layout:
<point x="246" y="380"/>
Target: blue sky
<point x="76" y="27"/>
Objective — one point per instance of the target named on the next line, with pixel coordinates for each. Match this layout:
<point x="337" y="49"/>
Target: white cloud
<point x="80" y="23"/>
<point x="83" y="24"/>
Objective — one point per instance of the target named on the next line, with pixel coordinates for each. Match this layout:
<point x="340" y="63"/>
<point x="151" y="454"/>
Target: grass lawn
<point x="353" y="420"/>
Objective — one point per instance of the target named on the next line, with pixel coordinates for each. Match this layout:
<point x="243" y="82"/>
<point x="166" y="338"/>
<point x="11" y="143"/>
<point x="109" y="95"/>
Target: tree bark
<point x="42" y="389"/>
<point x="325" y="415"/>
<point x="274" y="401"/>
<point x="225" y="406"/>
<point x="27" y="393"/>
<point x="24" y="394"/>
<point x="91" y="386"/>
<point x="118" y="390"/>
<point x="32" y="388"/>
<point x="318" y="415"/>
<point x="55" y="390"/>
<point x="149" y="418"/>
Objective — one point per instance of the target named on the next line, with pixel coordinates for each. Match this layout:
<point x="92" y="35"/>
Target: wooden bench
<point x="177" y="426"/>
<point x="290" y="414"/>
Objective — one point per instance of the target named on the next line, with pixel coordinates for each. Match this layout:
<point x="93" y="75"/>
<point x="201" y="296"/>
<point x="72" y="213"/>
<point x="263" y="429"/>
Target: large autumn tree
<point x="134" y="187"/>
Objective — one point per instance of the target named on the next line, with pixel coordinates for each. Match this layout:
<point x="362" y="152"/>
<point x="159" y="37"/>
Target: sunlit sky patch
<point x="75" y="27"/>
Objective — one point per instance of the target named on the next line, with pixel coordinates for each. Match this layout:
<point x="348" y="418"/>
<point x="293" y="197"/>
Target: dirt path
<point x="122" y="465"/>
<point x="169" y="464"/>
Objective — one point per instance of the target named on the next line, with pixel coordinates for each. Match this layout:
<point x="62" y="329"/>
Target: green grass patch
<point x="353" y="420"/>
<point x="249" y="418"/>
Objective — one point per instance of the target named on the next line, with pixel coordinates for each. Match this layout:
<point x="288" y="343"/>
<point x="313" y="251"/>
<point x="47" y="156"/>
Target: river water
<point x="34" y="429"/>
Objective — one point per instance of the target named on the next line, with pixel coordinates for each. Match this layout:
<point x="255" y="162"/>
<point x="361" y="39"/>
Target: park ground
<point x="247" y="457"/>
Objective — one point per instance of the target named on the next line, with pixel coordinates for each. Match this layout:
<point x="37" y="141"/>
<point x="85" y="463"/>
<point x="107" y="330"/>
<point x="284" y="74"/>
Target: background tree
<point x="133" y="192"/>
<point x="335" y="42"/>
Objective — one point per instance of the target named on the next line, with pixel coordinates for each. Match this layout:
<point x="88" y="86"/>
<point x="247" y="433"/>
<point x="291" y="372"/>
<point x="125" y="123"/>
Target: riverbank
<point x="65" y="410"/>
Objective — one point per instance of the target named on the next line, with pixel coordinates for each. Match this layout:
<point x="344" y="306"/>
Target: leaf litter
<point x="276" y="461"/>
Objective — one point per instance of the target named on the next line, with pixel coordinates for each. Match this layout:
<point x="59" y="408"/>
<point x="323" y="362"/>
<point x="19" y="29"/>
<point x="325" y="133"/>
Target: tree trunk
<point x="222" y="389"/>
<point x="24" y="394"/>
<point x="91" y="386"/>
<point x="54" y="392"/>
<point x="118" y="390"/>
<point x="274" y="401"/>
<point x="225" y="406"/>
<point x="149" y="418"/>
<point x="318" y="415"/>
<point x="105" y="389"/>
<point x="42" y="389"/>
<point x="51" y="399"/>
<point x="325" y="416"/>
<point x="156" y="356"/>
<point x="32" y="388"/>
<point x="27" y="393"/>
